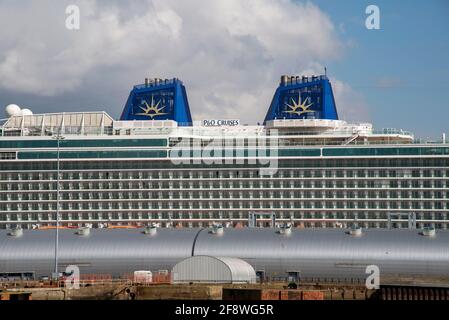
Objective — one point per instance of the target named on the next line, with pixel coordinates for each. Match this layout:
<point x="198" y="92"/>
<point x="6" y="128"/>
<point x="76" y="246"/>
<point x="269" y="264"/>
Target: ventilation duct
<point x="428" y="232"/>
<point x="217" y="229"/>
<point x="151" y="230"/>
<point x="285" y="229"/>
<point x="83" y="231"/>
<point x="355" y="231"/>
<point x="18" y="232"/>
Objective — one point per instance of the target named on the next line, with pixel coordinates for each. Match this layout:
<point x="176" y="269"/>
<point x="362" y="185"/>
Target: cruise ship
<point x="154" y="165"/>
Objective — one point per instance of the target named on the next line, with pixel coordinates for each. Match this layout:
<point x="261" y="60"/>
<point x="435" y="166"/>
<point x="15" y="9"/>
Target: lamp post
<point x="58" y="138"/>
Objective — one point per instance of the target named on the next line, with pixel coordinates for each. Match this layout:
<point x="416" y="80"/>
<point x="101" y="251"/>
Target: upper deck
<point x="302" y="113"/>
<point x="99" y="125"/>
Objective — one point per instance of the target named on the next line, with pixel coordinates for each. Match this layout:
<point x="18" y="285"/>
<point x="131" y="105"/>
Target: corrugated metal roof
<point x="312" y="252"/>
<point x="102" y="251"/>
<point x="213" y="270"/>
<point x="332" y="253"/>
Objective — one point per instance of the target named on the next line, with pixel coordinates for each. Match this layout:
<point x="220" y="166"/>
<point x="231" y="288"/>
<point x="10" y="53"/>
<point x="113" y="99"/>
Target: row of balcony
<point x="99" y="197"/>
<point x="192" y="175"/>
<point x="102" y="187"/>
<point x="239" y="208"/>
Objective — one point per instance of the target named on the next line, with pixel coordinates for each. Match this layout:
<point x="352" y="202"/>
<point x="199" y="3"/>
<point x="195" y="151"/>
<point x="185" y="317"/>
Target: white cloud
<point x="386" y="82"/>
<point x="351" y="104"/>
<point x="229" y="53"/>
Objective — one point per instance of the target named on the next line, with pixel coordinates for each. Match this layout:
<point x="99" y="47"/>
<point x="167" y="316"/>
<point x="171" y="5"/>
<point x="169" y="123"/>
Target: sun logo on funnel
<point x="151" y="110"/>
<point x="301" y="105"/>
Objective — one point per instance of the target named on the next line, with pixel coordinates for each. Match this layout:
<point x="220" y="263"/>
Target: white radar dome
<point x="13" y="110"/>
<point x="26" y="112"/>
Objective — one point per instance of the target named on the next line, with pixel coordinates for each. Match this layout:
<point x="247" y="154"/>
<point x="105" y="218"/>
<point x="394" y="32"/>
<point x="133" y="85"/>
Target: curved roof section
<point x="241" y="270"/>
<point x="320" y="243"/>
<point x="312" y="252"/>
<point x="102" y="251"/>
<point x="213" y="269"/>
<point x="332" y="252"/>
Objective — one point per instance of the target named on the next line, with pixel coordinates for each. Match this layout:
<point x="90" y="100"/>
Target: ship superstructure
<point x="304" y="166"/>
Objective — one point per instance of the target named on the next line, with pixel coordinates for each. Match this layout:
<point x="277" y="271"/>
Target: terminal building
<point x="304" y="166"/>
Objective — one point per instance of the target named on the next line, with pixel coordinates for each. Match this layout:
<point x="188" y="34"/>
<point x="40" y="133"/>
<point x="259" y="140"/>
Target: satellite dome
<point x="26" y="112"/>
<point x="12" y="110"/>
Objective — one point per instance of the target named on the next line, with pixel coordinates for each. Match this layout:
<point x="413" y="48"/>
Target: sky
<point x="230" y="55"/>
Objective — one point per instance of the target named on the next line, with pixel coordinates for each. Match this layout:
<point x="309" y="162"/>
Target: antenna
<point x="325" y="71"/>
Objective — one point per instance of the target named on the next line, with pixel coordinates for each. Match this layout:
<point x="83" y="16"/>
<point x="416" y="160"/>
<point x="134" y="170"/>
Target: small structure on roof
<point x="67" y="123"/>
<point x="209" y="269"/>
